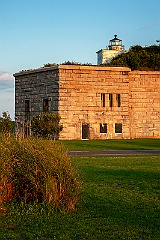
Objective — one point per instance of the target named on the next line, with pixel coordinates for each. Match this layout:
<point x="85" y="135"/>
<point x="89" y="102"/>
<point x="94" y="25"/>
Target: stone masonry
<point x="93" y="102"/>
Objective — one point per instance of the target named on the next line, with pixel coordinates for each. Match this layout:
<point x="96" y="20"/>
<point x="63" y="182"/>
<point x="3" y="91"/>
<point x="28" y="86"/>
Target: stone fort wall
<point x="93" y="102"/>
<point x="144" y="102"/>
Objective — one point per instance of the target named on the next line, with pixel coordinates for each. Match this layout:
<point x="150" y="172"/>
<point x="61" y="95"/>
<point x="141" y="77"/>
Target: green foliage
<point x="139" y="58"/>
<point x="76" y="63"/>
<point x="6" y="125"/>
<point x="67" y="63"/>
<point x="46" y="125"/>
<point x="49" y="64"/>
<point x="113" y="144"/>
<point x="37" y="170"/>
<point x="120" y="200"/>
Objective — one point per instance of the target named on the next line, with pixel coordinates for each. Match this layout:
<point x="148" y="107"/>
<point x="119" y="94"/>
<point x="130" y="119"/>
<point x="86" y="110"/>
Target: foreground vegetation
<point x="36" y="170"/>
<point x="120" y="200"/>
<point x="114" y="144"/>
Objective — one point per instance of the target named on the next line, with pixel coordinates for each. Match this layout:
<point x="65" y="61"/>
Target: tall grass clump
<point x="37" y="170"/>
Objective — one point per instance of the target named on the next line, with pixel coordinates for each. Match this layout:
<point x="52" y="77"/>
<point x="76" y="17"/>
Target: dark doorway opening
<point x="85" y="131"/>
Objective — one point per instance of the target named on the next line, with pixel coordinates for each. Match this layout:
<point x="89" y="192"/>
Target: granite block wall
<point x="93" y="102"/>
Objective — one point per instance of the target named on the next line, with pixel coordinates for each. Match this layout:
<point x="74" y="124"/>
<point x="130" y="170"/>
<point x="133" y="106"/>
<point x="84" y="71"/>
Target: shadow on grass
<point x="123" y="196"/>
<point x="130" y="177"/>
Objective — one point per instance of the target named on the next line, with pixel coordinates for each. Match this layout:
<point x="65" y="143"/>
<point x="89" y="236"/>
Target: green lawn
<point x="120" y="199"/>
<point x="122" y="144"/>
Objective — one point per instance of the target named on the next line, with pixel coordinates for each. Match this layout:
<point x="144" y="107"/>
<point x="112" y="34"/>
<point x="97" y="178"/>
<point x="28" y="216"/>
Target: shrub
<point x="37" y="170"/>
<point x="46" y="125"/>
<point x="6" y="125"/>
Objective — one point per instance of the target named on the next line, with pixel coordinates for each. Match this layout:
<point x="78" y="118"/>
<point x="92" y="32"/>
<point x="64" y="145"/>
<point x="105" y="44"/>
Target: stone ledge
<point x="90" y="68"/>
<point x="73" y="67"/>
<point x="25" y="72"/>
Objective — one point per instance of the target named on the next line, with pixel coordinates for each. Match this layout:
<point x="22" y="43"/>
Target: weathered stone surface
<point x="76" y="93"/>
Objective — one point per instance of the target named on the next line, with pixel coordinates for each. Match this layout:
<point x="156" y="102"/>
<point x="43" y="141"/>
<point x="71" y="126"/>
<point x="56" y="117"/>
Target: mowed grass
<point x="120" y="199"/>
<point x="114" y="144"/>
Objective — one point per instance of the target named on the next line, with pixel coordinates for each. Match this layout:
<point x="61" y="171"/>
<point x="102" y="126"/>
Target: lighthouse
<point x="115" y="44"/>
<point x="114" y="48"/>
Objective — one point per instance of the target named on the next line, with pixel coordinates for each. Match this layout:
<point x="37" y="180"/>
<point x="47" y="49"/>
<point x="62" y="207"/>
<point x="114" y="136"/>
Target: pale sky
<point x="35" y="32"/>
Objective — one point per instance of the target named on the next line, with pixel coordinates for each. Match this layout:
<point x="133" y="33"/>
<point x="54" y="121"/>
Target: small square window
<point x="118" y="128"/>
<point x="103" y="128"/>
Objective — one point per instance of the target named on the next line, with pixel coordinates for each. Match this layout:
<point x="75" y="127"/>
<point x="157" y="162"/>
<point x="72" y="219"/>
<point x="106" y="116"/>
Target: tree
<point x="6" y="125"/>
<point x="139" y="58"/>
<point x="46" y="125"/>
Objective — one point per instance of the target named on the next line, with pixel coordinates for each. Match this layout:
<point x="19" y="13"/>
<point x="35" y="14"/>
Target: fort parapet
<point x="94" y="102"/>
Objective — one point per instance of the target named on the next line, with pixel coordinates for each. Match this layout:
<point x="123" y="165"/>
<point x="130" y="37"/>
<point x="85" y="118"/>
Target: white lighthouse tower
<point x="114" y="48"/>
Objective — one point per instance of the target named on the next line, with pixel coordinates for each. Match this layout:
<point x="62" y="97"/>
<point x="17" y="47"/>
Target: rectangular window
<point x="110" y="100"/>
<point x="103" y="101"/>
<point x="45" y="105"/>
<point x="118" y="127"/>
<point x="27" y="110"/>
<point x="118" y="98"/>
<point x="27" y="107"/>
<point x="103" y="128"/>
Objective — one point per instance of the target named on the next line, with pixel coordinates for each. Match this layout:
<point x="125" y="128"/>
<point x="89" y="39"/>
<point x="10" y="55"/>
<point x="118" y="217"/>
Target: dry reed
<point x="37" y="170"/>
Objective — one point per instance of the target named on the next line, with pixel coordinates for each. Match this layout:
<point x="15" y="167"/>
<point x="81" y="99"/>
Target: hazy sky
<point x="35" y="32"/>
